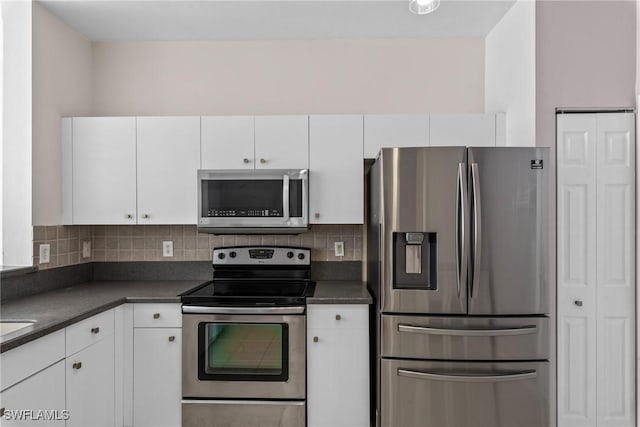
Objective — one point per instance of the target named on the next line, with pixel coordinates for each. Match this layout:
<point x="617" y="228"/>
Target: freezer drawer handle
<point x="523" y="330"/>
<point x="469" y="377"/>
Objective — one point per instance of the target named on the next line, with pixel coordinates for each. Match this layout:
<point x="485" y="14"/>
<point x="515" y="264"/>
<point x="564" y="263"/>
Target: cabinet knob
<point x="95" y="330"/>
<point x="77" y="365"/>
<point x="156" y="315"/>
<point x="2" y="411"/>
<point x="129" y="216"/>
<point x="263" y="161"/>
<point x="146" y="216"/>
<point x="245" y="160"/>
<point x="172" y="338"/>
<point x="578" y="303"/>
<point x="338" y="317"/>
<point x="317" y="215"/>
<point x="315" y="339"/>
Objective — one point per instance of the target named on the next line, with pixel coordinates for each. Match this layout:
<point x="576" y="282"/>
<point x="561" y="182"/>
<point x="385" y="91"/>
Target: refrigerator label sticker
<point x="536" y="164"/>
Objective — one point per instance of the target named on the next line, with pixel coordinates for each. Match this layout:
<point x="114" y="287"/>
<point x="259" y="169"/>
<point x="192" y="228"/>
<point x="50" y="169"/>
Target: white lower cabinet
<point x="41" y="392"/>
<point x="157" y="377"/>
<point x="90" y="384"/>
<point x="338" y="365"/>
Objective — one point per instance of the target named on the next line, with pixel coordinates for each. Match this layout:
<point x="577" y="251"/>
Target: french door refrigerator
<point x="458" y="263"/>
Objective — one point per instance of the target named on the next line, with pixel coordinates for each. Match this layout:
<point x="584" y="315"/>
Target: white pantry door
<point x="596" y="269"/>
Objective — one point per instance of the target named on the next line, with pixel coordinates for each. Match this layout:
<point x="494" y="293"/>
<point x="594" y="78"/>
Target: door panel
<point x="465" y="338"/>
<point x="242" y="413"/>
<point x="227" y="142"/>
<point x="462" y="394"/>
<point x="421" y="194"/>
<point x="509" y="266"/>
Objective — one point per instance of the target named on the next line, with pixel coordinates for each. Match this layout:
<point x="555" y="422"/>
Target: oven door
<point x="240" y="201"/>
<point x="256" y="352"/>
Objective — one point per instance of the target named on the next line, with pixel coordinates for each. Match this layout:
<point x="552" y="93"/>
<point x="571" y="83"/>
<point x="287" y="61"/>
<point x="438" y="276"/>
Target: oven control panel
<point x="267" y="255"/>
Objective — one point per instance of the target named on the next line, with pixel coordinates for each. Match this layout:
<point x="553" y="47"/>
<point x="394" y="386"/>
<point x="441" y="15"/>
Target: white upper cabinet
<point x="168" y="157"/>
<point x="227" y="142"/>
<point x="394" y="130"/>
<point x="104" y="170"/>
<point x="282" y="142"/>
<point x="336" y="183"/>
<point x="472" y="130"/>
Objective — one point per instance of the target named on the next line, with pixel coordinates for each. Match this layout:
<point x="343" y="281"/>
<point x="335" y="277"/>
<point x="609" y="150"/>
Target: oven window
<point x="243" y="351"/>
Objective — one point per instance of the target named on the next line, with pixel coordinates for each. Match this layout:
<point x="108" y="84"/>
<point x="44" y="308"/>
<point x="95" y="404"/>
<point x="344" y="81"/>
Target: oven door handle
<point x="194" y="309"/>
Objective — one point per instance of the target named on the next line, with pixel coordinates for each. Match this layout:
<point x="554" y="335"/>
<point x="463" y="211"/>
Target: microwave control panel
<point x="244" y="212"/>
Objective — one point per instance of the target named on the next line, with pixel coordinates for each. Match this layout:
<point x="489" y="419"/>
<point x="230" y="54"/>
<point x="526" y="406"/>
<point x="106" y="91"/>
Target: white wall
<point x="61" y="87"/>
<point x="510" y="72"/>
<point x="16" y="134"/>
<point x="285" y="77"/>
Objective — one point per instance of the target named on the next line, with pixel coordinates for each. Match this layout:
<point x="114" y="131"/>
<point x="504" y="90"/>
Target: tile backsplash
<point x="144" y="242"/>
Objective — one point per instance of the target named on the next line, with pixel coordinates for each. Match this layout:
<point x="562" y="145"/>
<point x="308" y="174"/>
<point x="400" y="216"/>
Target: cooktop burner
<point x="255" y="276"/>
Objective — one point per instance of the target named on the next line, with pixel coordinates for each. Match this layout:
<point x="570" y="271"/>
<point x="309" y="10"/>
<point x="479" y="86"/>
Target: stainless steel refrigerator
<point x="458" y="263"/>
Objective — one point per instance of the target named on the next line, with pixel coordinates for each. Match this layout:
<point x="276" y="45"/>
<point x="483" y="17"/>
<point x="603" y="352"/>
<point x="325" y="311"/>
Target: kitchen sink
<point x="13" y="327"/>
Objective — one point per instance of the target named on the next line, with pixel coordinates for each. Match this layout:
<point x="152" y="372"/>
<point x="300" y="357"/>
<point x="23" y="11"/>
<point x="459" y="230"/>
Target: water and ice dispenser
<point x="415" y="260"/>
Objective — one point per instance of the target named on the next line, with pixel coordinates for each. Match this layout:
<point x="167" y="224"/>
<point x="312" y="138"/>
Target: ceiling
<point x="119" y="20"/>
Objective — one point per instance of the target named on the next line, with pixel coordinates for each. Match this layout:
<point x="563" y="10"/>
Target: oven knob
<point x="289" y="254"/>
<point x="221" y="255"/>
<point x="300" y="255"/>
<point x="232" y="254"/>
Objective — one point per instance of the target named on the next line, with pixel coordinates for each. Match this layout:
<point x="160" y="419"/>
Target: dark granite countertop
<point x="340" y="292"/>
<point x="59" y="308"/>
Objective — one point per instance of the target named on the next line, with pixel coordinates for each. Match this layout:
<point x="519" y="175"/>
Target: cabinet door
<point x="227" y="142"/>
<point x="104" y="170"/>
<point x="282" y="142"/>
<point x="91" y="386"/>
<point x="394" y="130"/>
<point x="168" y="160"/>
<point x="336" y="185"/>
<point x="42" y="391"/>
<point x="338" y="367"/>
<point x="471" y="130"/>
<point x="157" y="370"/>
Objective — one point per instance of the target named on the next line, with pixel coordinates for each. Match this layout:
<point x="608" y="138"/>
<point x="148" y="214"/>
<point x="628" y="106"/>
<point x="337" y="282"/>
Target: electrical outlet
<point x="338" y="248"/>
<point x="167" y="248"/>
<point x="45" y="253"/>
<point x="86" y="249"/>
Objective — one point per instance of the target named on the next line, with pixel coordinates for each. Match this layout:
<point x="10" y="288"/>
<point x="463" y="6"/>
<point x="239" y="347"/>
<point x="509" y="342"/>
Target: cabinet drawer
<point x="157" y="315"/>
<point x="339" y="316"/>
<point x="89" y="331"/>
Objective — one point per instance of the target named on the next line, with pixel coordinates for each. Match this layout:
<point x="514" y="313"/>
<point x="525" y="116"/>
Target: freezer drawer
<point x="464" y="338"/>
<point x="462" y="394"/>
<point x="243" y="413"/>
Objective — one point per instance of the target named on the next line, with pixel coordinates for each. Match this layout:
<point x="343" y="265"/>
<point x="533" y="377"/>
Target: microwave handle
<point x="285" y="197"/>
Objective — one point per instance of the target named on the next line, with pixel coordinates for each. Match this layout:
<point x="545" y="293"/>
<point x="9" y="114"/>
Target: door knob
<point x="315" y="339"/>
<point x="578" y="303"/>
<point x="77" y="365"/>
<point x="172" y="338"/>
<point x="156" y="315"/>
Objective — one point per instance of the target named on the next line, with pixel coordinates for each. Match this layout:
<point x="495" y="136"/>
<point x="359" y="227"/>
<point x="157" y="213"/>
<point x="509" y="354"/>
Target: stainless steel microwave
<point x="253" y="201"/>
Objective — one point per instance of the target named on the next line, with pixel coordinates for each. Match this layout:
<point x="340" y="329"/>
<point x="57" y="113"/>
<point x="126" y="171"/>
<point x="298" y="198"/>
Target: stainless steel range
<point x="244" y="332"/>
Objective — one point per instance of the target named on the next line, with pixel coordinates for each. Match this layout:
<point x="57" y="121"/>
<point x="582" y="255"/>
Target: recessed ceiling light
<point x="422" y="7"/>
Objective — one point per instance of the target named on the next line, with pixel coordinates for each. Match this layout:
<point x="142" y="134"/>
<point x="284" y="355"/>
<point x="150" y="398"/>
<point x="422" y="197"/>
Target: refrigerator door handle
<point x="467" y="377"/>
<point x="477" y="230"/>
<point x="461" y="227"/>
<point x="496" y="332"/>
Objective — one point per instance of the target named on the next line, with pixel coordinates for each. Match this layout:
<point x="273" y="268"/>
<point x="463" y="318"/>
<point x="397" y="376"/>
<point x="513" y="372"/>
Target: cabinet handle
<point x="317" y="215"/>
<point x="245" y="160"/>
<point x="2" y="411"/>
<point x="338" y="317"/>
<point x="129" y="216"/>
<point x="263" y="161"/>
<point x="315" y="339"/>
<point x="95" y="330"/>
<point x="156" y="315"/>
<point x="172" y="338"/>
<point x="77" y="365"/>
<point x="146" y="216"/>
<point x="578" y="303"/>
